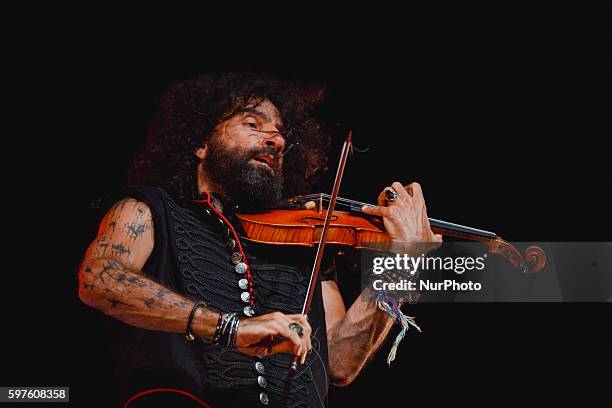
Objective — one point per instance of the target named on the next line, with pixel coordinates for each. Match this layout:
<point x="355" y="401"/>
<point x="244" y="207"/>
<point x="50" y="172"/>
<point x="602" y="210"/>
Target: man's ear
<point x="201" y="152"/>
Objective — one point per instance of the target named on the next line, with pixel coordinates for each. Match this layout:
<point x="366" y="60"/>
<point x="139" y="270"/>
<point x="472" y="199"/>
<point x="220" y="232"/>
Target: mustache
<point x="268" y="150"/>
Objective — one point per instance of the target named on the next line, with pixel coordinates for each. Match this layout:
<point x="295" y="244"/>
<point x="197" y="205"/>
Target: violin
<point x="305" y="223"/>
<point x="299" y="222"/>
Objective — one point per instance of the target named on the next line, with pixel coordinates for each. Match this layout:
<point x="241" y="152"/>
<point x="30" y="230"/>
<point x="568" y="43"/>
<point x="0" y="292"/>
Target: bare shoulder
<point x="126" y="234"/>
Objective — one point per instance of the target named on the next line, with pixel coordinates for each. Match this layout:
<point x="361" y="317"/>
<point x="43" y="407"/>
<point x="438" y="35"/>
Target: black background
<point x="502" y="114"/>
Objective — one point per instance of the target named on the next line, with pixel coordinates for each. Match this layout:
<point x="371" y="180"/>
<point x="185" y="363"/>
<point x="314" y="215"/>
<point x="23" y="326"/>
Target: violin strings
<point x="347" y="202"/>
<point x="351" y="204"/>
<point x="344" y="203"/>
<point x="327" y="197"/>
<point x="339" y="201"/>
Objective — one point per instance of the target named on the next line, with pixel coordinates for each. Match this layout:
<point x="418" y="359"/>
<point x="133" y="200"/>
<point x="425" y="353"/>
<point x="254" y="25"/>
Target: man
<point x="201" y="314"/>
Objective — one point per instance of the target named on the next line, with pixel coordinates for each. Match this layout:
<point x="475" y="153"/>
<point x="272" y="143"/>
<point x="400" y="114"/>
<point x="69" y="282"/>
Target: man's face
<point x="244" y="155"/>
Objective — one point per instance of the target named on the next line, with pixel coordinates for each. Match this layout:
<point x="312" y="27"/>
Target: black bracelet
<point x="234" y="333"/>
<point x="227" y="330"/>
<point x="188" y="334"/>
<point x="220" y="323"/>
<point x="219" y="331"/>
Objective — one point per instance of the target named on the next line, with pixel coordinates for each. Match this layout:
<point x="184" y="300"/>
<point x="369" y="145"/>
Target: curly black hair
<point x="191" y="109"/>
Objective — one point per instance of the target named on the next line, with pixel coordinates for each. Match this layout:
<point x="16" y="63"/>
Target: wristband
<point x="188" y="334"/>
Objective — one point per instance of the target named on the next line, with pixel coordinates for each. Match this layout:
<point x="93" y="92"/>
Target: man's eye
<point x="252" y="125"/>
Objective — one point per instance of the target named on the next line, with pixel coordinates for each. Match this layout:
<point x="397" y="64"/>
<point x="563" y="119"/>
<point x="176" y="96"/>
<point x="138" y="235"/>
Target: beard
<point x="240" y="181"/>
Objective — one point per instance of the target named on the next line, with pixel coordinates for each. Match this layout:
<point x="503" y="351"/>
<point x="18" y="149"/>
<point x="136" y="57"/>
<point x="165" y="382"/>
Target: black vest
<point x="193" y="256"/>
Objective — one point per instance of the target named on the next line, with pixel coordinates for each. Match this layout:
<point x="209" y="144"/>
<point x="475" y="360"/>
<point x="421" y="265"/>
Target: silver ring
<point x="391" y="194"/>
<point x="297" y="328"/>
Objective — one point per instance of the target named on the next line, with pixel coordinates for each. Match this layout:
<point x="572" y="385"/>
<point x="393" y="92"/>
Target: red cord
<point x="244" y="260"/>
<point x="154" y="390"/>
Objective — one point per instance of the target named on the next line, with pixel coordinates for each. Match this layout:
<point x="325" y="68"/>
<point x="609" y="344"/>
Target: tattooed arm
<point x="353" y="336"/>
<point x="111" y="280"/>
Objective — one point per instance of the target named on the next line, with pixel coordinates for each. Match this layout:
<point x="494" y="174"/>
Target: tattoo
<point x="121" y="250"/>
<point x="115" y="302"/>
<point x="110" y="265"/>
<point x="135" y="229"/>
<point x="140" y="301"/>
<point x="135" y="281"/>
<point x="125" y="293"/>
<point x="120" y="277"/>
<point x="163" y="294"/>
<point x="181" y="304"/>
<point x="103" y="245"/>
<point x="123" y="202"/>
<point x="140" y="225"/>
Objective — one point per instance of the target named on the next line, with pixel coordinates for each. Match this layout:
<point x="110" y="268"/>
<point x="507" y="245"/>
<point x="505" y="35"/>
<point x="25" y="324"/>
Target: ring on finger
<point x="390" y="194"/>
<point x="297" y="328"/>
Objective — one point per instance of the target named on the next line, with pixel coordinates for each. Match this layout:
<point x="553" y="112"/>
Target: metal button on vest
<point x="245" y="296"/>
<point x="241" y="268"/>
<point x="263" y="383"/>
<point x="221" y="222"/>
<point x="243" y="284"/>
<point x="248" y="311"/>
<point x="231" y="243"/>
<point x="263" y="397"/>
<point x="260" y="367"/>
<point x="207" y="211"/>
<point x="236" y="257"/>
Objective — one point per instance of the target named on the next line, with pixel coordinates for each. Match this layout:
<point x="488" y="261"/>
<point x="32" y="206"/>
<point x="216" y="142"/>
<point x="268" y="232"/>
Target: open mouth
<point x="266" y="160"/>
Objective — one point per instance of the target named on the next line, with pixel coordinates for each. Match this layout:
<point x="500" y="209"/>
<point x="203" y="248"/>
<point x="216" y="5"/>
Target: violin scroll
<point x="532" y="261"/>
<point x="536" y="259"/>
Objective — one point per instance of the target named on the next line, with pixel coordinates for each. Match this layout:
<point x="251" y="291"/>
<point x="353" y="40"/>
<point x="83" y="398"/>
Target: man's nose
<point x="275" y="140"/>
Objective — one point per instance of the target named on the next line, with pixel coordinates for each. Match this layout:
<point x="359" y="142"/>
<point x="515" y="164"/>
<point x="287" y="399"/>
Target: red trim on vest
<point x="231" y="227"/>
<point x="154" y="390"/>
